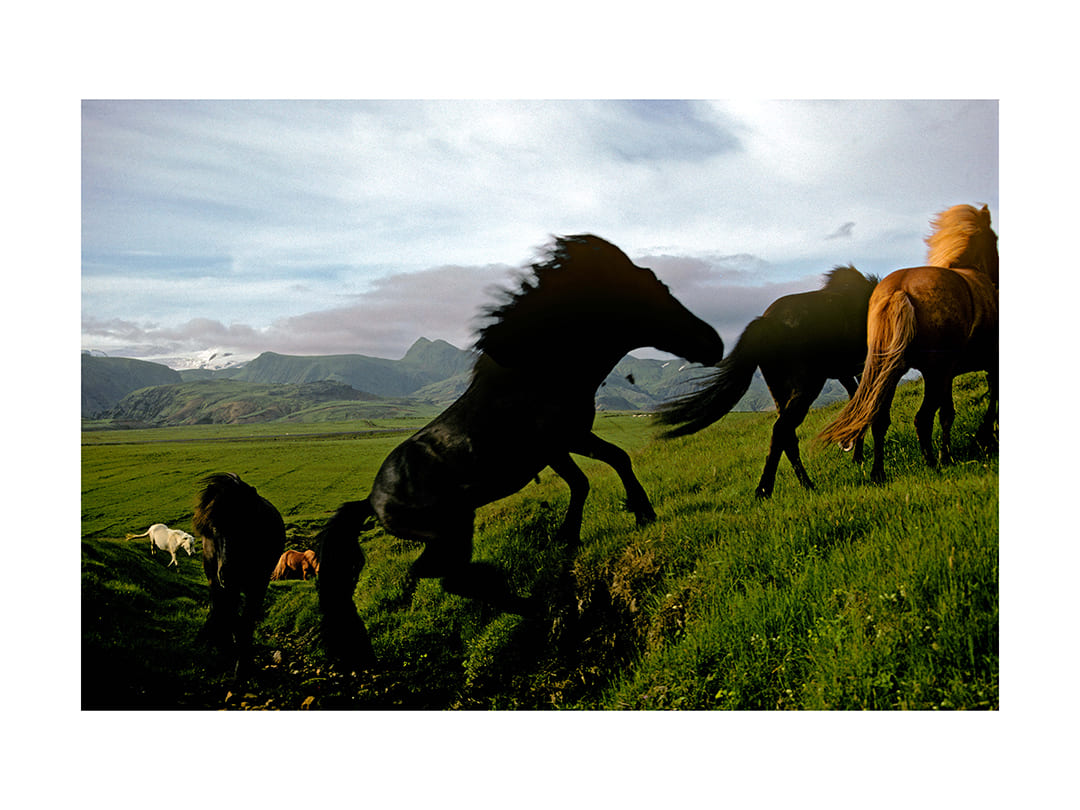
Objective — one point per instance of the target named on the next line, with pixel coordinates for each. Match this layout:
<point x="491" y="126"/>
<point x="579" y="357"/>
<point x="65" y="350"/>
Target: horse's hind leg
<point x="946" y="416"/>
<point x="795" y="415"/>
<point x="879" y="427"/>
<point x="565" y="468"/>
<point x="937" y="395"/>
<point x="218" y="628"/>
<point x="984" y="436"/>
<point x="772" y="460"/>
<point x="245" y="626"/>
<point x="450" y="551"/>
<point x="792" y="404"/>
<point x="637" y="500"/>
<point x="851" y="385"/>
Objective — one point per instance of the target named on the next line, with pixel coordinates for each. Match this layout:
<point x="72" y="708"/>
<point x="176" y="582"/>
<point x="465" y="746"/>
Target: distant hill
<point x="432" y="373"/>
<point x="107" y="380"/>
<point x="233" y="402"/>
<point x="426" y="362"/>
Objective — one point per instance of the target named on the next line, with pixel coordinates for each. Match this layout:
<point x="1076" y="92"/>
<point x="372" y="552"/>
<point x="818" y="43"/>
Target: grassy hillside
<point x="852" y="596"/>
<point x="232" y="402"/>
<point x="106" y="380"/>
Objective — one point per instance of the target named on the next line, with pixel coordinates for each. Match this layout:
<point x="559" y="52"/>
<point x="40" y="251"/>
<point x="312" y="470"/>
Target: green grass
<point x="852" y="596"/>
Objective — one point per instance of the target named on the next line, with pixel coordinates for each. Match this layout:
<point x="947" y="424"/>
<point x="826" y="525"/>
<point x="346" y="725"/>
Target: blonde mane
<point x="954" y="230"/>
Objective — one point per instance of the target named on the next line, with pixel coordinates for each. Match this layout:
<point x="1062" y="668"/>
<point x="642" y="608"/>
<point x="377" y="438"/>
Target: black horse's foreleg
<point x="565" y="468"/>
<point x="637" y="500"/>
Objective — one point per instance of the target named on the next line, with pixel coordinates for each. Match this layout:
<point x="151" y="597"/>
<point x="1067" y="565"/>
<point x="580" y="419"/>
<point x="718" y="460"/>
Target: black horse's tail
<point x="340" y="562"/>
<point x="724" y="387"/>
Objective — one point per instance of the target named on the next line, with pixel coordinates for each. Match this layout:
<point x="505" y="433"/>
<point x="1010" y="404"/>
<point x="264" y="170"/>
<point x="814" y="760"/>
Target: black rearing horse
<point x="530" y="404"/>
<point x="799" y="342"/>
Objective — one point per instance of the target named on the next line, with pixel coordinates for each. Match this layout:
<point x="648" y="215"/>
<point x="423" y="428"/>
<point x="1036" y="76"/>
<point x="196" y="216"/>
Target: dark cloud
<point x="843" y="232"/>
<point x="667" y="129"/>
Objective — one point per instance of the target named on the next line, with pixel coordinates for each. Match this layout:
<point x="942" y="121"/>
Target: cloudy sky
<point x="358" y="226"/>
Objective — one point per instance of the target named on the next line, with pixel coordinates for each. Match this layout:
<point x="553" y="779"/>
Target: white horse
<point x="161" y="536"/>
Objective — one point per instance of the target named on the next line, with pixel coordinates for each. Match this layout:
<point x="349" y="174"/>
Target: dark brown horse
<point x="243" y="537"/>
<point x="800" y="341"/>
<point x="530" y="404"/>
<point x="941" y="319"/>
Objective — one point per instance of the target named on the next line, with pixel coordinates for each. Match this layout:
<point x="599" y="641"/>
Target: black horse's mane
<point x="845" y="275"/>
<point x="579" y="276"/>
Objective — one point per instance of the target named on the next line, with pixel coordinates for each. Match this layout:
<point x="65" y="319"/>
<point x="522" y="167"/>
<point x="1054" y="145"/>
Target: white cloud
<point x="320" y="227"/>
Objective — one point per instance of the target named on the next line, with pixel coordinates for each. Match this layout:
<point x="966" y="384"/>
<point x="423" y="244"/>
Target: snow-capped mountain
<point x="208" y="359"/>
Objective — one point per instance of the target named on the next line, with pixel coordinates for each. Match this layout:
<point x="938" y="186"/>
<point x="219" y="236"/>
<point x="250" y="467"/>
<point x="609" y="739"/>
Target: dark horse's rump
<point x="530" y="404"/>
<point x="243" y="538"/>
<point x="799" y="342"/>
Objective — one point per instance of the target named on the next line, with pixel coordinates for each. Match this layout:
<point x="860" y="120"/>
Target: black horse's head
<point x="587" y="296"/>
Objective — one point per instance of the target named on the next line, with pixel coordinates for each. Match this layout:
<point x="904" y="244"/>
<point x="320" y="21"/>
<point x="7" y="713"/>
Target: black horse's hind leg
<point x="792" y="402"/>
<point x="245" y="627"/>
<point x="449" y="557"/>
<point x="449" y="552"/>
<point x="565" y="468"/>
<point x="221" y="620"/>
<point x="637" y="500"/>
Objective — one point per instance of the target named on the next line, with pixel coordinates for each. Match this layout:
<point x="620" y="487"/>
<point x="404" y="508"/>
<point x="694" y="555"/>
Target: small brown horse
<point x="243" y="537"/>
<point x="296" y="565"/>
<point x="941" y="319"/>
<point x="800" y="341"/>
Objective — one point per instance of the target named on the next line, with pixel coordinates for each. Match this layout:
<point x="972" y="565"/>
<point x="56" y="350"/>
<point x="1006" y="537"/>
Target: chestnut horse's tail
<point x="340" y="562"/>
<point x="725" y="387"/>
<point x="890" y="330"/>
<point x="279" y="569"/>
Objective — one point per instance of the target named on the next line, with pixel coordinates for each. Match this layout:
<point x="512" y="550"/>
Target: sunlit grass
<point x="850" y="596"/>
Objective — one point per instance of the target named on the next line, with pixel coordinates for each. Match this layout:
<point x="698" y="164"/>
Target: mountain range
<point x="430" y="376"/>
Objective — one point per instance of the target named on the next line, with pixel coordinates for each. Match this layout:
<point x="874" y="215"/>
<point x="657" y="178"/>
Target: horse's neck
<point x="573" y="367"/>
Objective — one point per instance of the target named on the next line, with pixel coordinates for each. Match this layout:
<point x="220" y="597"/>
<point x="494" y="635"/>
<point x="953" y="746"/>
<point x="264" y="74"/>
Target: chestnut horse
<point x="941" y="319"/>
<point x="530" y="404"/>
<point x="243" y="537"/>
<point x="296" y="565"/>
<point x="799" y="342"/>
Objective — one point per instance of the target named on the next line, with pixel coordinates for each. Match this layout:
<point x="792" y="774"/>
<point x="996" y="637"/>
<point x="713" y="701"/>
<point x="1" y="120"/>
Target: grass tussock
<point x="850" y="596"/>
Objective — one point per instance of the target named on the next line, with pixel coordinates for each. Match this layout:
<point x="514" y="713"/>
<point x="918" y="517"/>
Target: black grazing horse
<point x="801" y="341"/>
<point x="531" y="403"/>
<point x="243" y="538"/>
